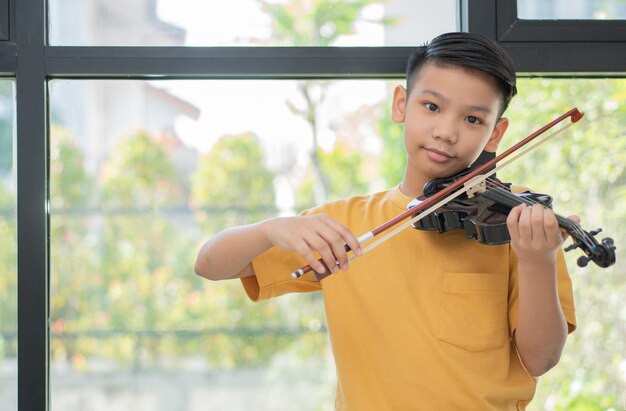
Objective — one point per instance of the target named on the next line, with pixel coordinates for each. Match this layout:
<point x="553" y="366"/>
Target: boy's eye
<point x="431" y="107"/>
<point x="473" y="120"/>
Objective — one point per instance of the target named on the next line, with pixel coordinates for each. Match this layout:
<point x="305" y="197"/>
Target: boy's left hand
<point x="535" y="232"/>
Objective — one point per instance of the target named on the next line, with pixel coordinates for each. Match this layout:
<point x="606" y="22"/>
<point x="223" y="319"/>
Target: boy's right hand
<point x="314" y="233"/>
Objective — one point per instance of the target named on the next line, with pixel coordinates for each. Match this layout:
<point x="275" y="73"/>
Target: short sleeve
<point x="273" y="276"/>
<point x="564" y="285"/>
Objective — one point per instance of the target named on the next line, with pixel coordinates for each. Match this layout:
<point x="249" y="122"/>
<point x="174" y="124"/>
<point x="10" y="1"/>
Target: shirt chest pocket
<point x="473" y="313"/>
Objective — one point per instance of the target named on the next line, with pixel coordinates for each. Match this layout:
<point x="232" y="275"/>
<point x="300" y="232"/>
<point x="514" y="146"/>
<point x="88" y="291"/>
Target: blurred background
<point x="142" y="172"/>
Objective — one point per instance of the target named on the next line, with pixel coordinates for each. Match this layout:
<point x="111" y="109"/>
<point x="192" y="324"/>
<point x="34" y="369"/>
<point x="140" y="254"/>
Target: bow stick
<point x="454" y="190"/>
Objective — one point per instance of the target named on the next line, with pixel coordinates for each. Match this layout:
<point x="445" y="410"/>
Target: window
<point x="136" y="186"/>
<point x="113" y="93"/>
<point x="571" y="10"/>
<point x="8" y="248"/>
<point x="551" y="47"/>
<point x="247" y="23"/>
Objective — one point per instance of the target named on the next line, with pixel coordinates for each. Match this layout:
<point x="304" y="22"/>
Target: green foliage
<point x="345" y="166"/>
<point x="71" y="256"/>
<point x="6" y="126"/>
<point x="392" y="160"/>
<point x="71" y="186"/>
<point x="139" y="173"/>
<point x="8" y="274"/>
<point x="584" y="169"/>
<point x="121" y="268"/>
<point x="232" y="186"/>
<point x="8" y="224"/>
<point x="314" y="22"/>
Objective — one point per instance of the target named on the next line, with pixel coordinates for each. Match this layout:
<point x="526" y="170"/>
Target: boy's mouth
<point x="437" y="155"/>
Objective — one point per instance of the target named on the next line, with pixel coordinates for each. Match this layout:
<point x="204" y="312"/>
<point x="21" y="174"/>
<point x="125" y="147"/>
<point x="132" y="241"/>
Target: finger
<point x="552" y="229"/>
<point x="325" y="251"/>
<point x="537" y="226"/>
<point x="350" y="239"/>
<point x="525" y="224"/>
<point x="347" y="238"/>
<point x="304" y="249"/>
<point x="336" y="245"/>
<point x="574" y="218"/>
<point x="512" y="221"/>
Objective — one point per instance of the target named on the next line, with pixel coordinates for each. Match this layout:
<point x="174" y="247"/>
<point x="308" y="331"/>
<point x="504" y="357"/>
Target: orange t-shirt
<point x="423" y="321"/>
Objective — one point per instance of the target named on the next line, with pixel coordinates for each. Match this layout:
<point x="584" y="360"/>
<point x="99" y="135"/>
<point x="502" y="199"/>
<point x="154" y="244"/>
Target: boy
<point x="426" y="321"/>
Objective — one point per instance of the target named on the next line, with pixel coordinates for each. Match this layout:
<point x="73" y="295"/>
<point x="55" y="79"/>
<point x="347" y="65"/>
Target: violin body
<point x="483" y="218"/>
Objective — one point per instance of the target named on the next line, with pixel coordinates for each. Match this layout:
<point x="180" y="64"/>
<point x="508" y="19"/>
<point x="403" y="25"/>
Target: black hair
<point x="471" y="51"/>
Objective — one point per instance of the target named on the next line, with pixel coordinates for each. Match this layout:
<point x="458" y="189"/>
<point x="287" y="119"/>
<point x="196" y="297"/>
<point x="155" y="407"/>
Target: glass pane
<point x="248" y="22"/>
<point x="584" y="169"/>
<point x="8" y="249"/>
<point x="140" y="174"/>
<point x="571" y="9"/>
<point x="143" y="172"/>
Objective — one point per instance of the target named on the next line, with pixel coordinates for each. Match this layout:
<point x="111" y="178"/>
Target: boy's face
<point x="449" y="117"/>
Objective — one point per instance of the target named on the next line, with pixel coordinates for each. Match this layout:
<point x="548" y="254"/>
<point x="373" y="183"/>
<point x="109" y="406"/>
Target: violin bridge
<point x="475" y="185"/>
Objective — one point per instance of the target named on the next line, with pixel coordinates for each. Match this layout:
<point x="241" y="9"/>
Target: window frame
<point x="511" y="28"/>
<point x="25" y="56"/>
<point x="555" y="48"/>
<point x="4" y="20"/>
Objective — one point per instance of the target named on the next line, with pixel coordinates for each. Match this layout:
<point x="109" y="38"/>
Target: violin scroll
<point x="603" y="253"/>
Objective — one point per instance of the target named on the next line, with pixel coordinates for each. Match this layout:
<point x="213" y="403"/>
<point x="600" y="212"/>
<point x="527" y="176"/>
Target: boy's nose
<point x="447" y="133"/>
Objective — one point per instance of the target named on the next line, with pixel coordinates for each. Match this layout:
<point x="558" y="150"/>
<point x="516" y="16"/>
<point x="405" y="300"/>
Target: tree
<point x="6" y="126"/>
<point x="232" y="183"/>
<point x="346" y="167"/>
<point x="393" y="156"/>
<point x="72" y="259"/>
<point x="145" y="258"/>
<point x="584" y="169"/>
<point x="8" y="266"/>
<point x="231" y="187"/>
<point x="315" y="23"/>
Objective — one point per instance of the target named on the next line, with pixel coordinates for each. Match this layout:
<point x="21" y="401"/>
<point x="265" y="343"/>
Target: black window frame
<point x="538" y="48"/>
<point x="4" y="20"/>
<point x="555" y="48"/>
<point x="511" y="28"/>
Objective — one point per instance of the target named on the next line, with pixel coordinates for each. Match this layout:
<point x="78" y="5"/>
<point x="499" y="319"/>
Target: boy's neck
<point x="412" y="186"/>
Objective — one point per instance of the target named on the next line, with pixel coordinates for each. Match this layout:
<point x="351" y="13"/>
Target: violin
<point x="442" y="210"/>
<point x="483" y="213"/>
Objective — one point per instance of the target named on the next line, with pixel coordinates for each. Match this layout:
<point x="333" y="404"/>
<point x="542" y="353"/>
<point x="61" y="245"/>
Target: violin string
<point x="504" y="194"/>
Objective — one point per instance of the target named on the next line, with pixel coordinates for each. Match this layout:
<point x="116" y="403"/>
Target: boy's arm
<point x="541" y="328"/>
<point x="229" y="254"/>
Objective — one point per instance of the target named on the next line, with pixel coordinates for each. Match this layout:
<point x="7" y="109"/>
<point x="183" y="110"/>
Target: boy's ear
<point x="399" y="104"/>
<point x="496" y="135"/>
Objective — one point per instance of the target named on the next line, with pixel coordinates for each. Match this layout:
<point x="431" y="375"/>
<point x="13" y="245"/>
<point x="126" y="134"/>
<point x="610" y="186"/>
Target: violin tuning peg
<point x="609" y="243"/>
<point x="582" y="261"/>
<point x="572" y="246"/>
<point x="594" y="232"/>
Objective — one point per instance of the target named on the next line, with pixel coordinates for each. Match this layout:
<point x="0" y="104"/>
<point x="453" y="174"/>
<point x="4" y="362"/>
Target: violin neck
<point x="504" y="197"/>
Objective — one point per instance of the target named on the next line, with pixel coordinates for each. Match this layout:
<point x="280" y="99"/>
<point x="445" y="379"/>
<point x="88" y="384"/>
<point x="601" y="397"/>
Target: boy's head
<point x="470" y="51"/>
